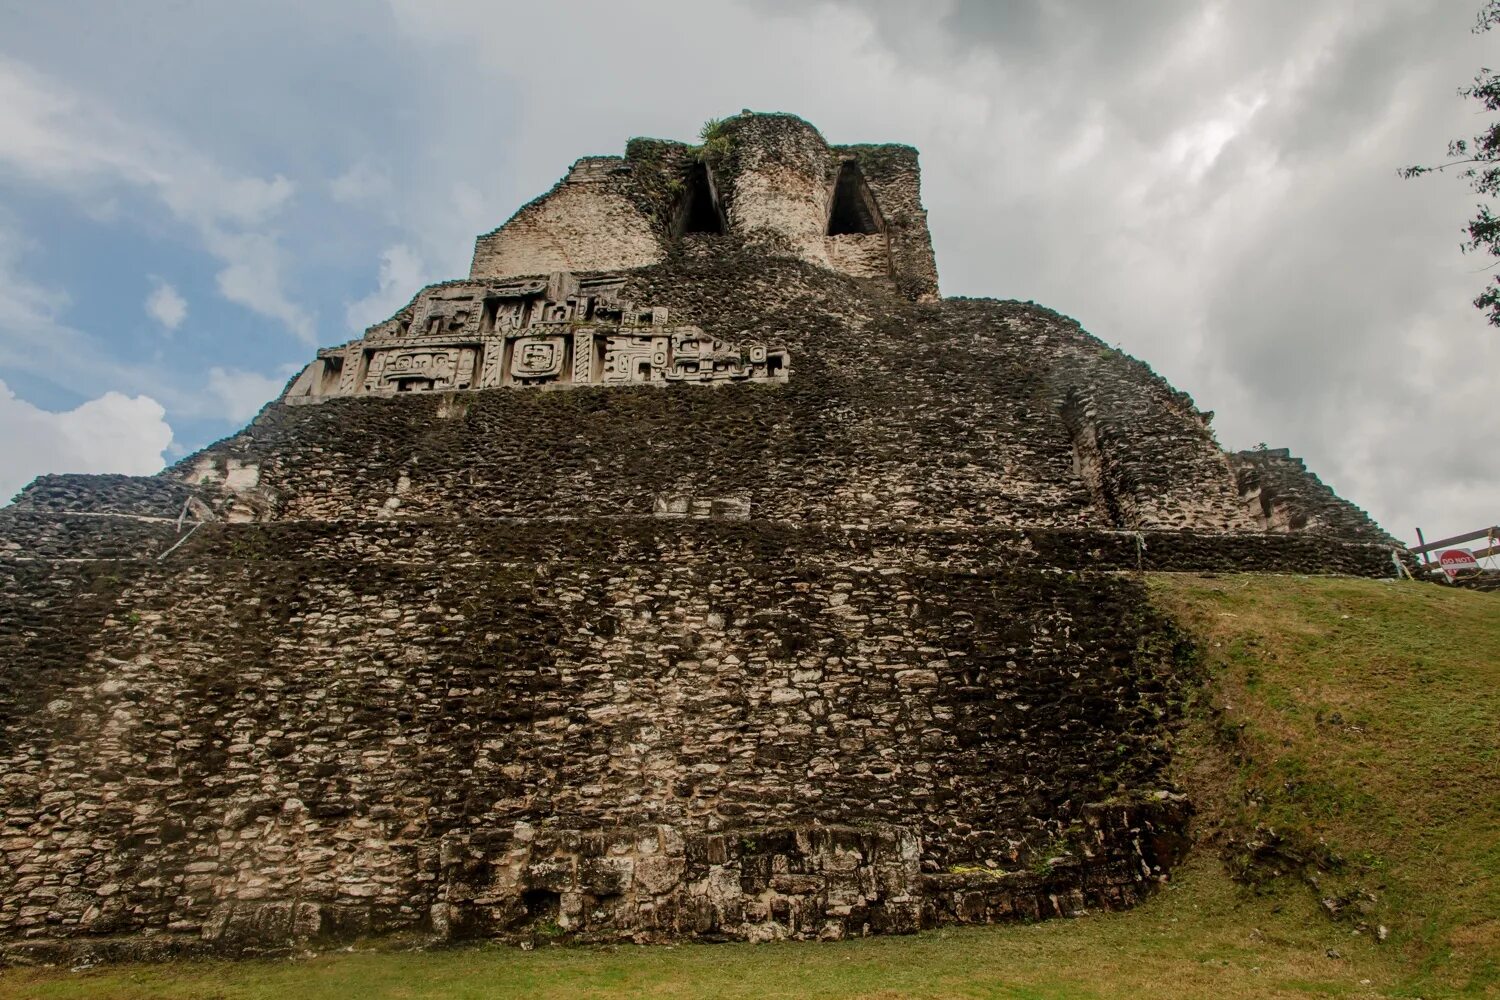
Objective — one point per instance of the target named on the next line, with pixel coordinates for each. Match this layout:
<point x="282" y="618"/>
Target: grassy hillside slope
<point x="1347" y="736"/>
<point x="1357" y="723"/>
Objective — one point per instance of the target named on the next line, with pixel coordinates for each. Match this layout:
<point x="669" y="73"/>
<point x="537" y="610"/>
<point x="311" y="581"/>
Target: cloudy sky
<point x="194" y="195"/>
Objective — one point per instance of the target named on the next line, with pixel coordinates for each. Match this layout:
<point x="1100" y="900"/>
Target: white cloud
<point x="61" y="141"/>
<point x="113" y="433"/>
<point x="199" y="191"/>
<point x="241" y="394"/>
<point x="361" y="182"/>
<point x="253" y="279"/>
<point x="402" y="273"/>
<point x="166" y="306"/>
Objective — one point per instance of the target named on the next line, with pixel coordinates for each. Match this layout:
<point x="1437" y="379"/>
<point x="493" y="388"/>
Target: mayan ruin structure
<point x="690" y="568"/>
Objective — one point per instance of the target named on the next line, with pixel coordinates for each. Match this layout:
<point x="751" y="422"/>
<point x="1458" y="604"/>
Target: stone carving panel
<point x="445" y="315"/>
<point x="560" y="332"/>
<point x="630" y="357"/>
<point x="537" y="358"/>
<point x="419" y="368"/>
<point x="697" y="357"/>
<point x="687" y="354"/>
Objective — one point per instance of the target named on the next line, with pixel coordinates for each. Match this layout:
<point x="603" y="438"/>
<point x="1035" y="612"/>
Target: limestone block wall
<point x="779" y="178"/>
<point x="200" y="745"/>
<point x="38" y="537"/>
<point x="250" y="737"/>
<point x="859" y="255"/>
<point x="1283" y="495"/>
<point x="965" y="412"/>
<point x="894" y="176"/>
<point x="758" y="884"/>
<point x="157" y="496"/>
<point x="587" y="222"/>
<point x="1144" y="450"/>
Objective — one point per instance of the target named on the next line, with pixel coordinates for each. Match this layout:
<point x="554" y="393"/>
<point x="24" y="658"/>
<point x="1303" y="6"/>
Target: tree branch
<point x="1416" y="171"/>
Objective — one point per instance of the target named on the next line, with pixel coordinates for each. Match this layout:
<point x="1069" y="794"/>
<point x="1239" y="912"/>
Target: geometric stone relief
<point x="560" y="332"/>
<point x="682" y="505"/>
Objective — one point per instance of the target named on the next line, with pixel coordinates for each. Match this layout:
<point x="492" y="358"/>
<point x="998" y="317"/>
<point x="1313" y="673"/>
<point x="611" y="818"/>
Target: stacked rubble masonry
<point x="710" y="593"/>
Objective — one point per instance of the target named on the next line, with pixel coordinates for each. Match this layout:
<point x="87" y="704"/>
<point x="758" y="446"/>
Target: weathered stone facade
<point x="806" y="611"/>
<point x="767" y="178"/>
<point x="529" y="334"/>
<point x="1283" y="495"/>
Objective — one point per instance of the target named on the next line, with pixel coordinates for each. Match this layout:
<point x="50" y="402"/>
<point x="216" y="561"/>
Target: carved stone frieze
<point x="563" y="331"/>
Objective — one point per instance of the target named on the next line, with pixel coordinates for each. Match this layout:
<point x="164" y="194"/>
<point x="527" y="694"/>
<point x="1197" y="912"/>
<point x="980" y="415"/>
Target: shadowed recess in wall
<point x="853" y="212"/>
<point x="699" y="210"/>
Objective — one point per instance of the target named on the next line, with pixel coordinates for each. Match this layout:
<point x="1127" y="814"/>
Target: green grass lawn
<point x="1366" y="714"/>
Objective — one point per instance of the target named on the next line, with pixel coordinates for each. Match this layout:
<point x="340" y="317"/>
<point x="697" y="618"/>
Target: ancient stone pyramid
<point x="691" y="568"/>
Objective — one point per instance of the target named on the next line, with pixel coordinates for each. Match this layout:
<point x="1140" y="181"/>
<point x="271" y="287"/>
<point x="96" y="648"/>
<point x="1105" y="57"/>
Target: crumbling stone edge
<point x="527" y="886"/>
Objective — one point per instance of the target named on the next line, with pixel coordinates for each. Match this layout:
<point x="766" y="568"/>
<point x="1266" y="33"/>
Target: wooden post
<point x="1422" y="544"/>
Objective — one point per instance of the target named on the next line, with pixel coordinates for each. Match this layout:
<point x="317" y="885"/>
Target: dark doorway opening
<point x="854" y="211"/>
<point x="698" y="212"/>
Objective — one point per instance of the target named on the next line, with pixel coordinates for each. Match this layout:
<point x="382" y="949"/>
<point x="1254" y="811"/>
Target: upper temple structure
<point x="690" y="568"/>
<point x="856" y="210"/>
<point x="768" y="179"/>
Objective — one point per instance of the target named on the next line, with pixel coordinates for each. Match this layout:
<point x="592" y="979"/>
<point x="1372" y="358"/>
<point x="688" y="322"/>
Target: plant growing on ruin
<point x="1059" y="846"/>
<point x="1477" y="160"/>
<point x="715" y="138"/>
<point x="995" y="873"/>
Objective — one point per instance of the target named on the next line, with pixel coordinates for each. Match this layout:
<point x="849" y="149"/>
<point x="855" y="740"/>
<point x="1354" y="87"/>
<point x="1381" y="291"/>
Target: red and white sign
<point x="1456" y="561"/>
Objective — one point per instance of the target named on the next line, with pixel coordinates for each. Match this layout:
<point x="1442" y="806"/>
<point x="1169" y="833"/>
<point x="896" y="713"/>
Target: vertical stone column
<point x="583" y="357"/>
<point x="778" y="177"/>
